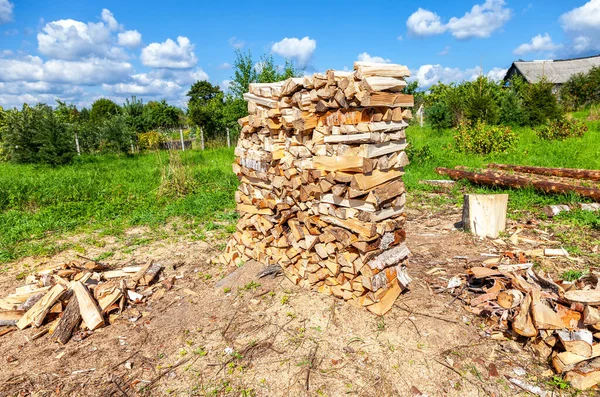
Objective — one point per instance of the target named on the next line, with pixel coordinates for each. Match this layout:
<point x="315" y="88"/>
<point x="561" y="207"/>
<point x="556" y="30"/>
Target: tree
<point x="37" y="135"/>
<point x="439" y="116"/>
<point x="244" y="74"/>
<point x="540" y="104"/>
<point x="481" y="100"/>
<point x="161" y="115"/>
<point x="115" y="134"/>
<point x="134" y="114"/>
<point x="207" y="109"/>
<point x="103" y="108"/>
<point x="202" y="91"/>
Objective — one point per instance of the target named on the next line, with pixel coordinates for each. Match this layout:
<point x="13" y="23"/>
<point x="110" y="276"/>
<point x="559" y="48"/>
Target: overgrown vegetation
<point x="561" y="129"/>
<point x="481" y="138"/>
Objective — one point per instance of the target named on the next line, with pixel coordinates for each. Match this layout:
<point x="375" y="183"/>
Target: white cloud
<point x="425" y="23"/>
<point x="130" y="39"/>
<point x="6" y="11"/>
<point x="110" y="20"/>
<point x="11" y="32"/>
<point x="481" y="21"/>
<point x="224" y="66"/>
<point x="537" y="44"/>
<point x="299" y="50"/>
<point x="365" y="57"/>
<point x="224" y="85"/>
<point x="400" y="38"/>
<point x="584" y="18"/>
<point x="445" y="51"/>
<point x="428" y="75"/>
<point x="170" y="55"/>
<point x="142" y="86"/>
<point x="90" y="72"/>
<point x="582" y="24"/>
<point x="235" y="43"/>
<point x="497" y="74"/>
<point x="181" y="77"/>
<point x="70" y="40"/>
<point x="82" y="61"/>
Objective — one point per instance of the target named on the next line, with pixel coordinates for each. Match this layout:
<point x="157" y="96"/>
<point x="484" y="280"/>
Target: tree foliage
<point x="103" y="108"/>
<point x="37" y="135"/>
<point x="582" y="89"/>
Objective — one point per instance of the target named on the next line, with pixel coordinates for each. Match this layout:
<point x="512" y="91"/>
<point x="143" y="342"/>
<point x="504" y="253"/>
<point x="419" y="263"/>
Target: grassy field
<point x="433" y="149"/>
<point x="40" y="207"/>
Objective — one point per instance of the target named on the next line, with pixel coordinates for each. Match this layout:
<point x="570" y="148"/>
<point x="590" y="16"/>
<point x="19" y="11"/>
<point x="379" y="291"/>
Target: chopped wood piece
<point x="69" y="321"/>
<point x="90" y="313"/>
<point x="10" y="317"/>
<point x="35" y="316"/>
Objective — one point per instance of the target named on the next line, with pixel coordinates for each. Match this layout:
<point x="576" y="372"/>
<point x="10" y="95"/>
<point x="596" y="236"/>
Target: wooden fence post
<point x="228" y="139"/>
<point x="77" y="145"/>
<point x="202" y="138"/>
<point x="182" y="143"/>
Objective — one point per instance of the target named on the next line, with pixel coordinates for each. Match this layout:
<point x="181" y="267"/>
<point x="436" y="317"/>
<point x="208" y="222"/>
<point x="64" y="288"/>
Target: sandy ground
<point x="276" y="339"/>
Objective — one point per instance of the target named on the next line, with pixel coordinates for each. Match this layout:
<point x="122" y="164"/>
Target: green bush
<point x="482" y="138"/>
<point x="581" y="90"/>
<point x="561" y="129"/>
<point x="540" y="103"/>
<point x="511" y="109"/>
<point x="37" y="135"/>
<point x="419" y="155"/>
<point x="439" y="116"/>
<point x="481" y="100"/>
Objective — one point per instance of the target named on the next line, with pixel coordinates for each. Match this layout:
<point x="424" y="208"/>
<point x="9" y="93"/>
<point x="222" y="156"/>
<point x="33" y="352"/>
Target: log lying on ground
<point x="575" y="173"/>
<point x="320" y="162"/>
<point x="503" y="179"/>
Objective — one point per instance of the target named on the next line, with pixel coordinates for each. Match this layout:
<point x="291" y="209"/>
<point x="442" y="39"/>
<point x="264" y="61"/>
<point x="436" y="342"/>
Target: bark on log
<point x="70" y="320"/>
<point x="592" y="175"/>
<point x="501" y="179"/>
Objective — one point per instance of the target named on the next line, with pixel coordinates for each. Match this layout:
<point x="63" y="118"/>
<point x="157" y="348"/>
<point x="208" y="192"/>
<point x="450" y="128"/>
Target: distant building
<point x="556" y="71"/>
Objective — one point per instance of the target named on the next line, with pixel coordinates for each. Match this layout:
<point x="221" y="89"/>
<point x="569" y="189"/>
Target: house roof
<point x="557" y="71"/>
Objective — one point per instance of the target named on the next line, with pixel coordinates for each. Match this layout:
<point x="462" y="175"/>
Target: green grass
<point x="571" y="153"/>
<point x="41" y="205"/>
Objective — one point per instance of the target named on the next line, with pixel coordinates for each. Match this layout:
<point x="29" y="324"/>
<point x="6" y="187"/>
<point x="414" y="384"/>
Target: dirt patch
<point x="275" y="339"/>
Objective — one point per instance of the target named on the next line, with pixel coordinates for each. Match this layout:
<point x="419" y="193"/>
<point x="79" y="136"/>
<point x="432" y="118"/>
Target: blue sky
<point x="80" y="51"/>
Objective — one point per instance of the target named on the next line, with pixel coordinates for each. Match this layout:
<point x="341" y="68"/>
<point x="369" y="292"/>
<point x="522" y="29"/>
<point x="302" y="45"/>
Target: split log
<point x="35" y="316"/>
<point x="575" y="173"/>
<point x="69" y="321"/>
<point x="500" y="179"/>
<point x="88" y="308"/>
<point x="10" y="317"/>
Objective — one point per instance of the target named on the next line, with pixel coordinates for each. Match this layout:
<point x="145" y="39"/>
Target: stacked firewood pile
<point x="74" y="299"/>
<point x="585" y="183"/>
<point x="320" y="160"/>
<point x="560" y="318"/>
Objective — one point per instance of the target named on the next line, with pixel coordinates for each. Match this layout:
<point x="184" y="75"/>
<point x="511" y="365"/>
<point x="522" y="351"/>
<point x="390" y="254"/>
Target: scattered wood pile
<point x="320" y="160"/>
<point x="547" y="180"/>
<point x="76" y="298"/>
<point x="561" y="319"/>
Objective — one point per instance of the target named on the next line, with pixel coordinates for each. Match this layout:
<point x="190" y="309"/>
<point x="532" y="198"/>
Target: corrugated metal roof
<point x="559" y="71"/>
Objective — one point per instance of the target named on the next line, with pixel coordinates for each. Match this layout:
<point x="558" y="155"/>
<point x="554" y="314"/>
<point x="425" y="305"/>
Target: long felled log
<point x="503" y="179"/>
<point x="592" y="175"/>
